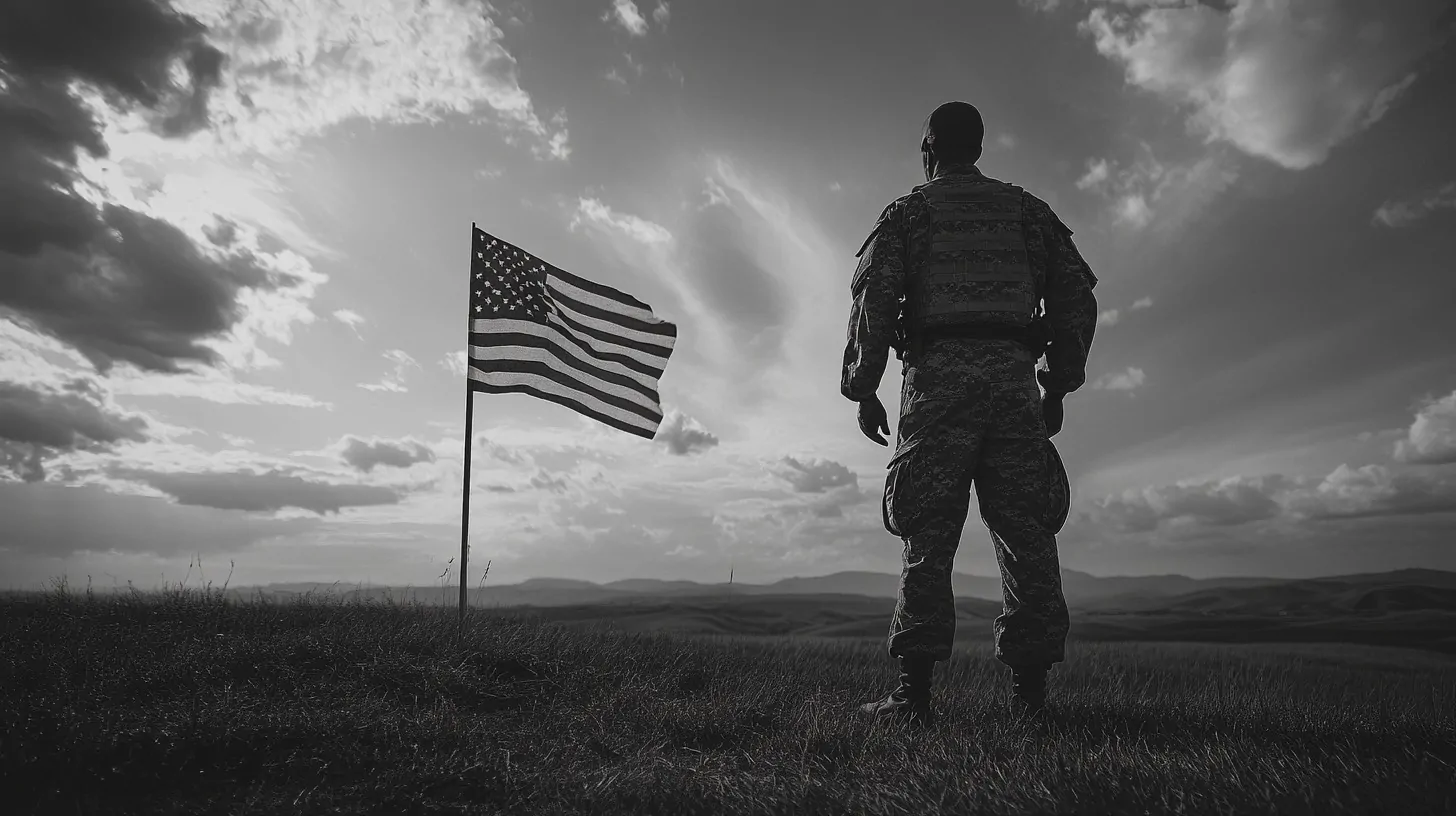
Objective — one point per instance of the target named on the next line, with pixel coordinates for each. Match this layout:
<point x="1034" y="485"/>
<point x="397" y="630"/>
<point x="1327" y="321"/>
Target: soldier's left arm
<point x="876" y="288"/>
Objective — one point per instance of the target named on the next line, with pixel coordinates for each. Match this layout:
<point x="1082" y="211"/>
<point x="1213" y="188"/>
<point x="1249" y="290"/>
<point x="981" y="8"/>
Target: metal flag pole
<point x="469" y="415"/>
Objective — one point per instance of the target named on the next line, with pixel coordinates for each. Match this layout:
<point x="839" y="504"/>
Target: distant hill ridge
<point x="1425" y="588"/>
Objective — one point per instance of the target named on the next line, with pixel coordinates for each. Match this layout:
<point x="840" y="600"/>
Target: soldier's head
<point x="952" y="135"/>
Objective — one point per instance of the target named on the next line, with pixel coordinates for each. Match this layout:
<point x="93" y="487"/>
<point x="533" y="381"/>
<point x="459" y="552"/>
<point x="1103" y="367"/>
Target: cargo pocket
<point x="900" y="507"/>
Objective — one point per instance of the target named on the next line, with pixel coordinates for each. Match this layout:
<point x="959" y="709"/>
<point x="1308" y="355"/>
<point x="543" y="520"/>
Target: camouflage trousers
<point x="957" y="428"/>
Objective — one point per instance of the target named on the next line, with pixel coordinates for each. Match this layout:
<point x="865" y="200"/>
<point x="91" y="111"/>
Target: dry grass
<point x="180" y="702"/>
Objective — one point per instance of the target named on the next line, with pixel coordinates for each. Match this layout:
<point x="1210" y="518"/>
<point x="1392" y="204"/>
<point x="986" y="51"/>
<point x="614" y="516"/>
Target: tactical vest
<point x="975" y="272"/>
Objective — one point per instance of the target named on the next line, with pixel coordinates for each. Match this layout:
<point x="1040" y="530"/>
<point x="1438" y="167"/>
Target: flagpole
<point x="469" y="415"/>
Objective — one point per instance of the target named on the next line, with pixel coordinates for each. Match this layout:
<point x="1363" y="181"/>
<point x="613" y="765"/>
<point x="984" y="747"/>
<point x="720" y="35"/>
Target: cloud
<point x="661" y="14"/>
<point x="550" y="482"/>
<point x="1006" y="140"/>
<point x="394" y="380"/>
<point x="684" y="435"/>
<point x="1097" y="173"/>
<point x="60" y="520"/>
<point x="259" y="492"/>
<point x="1405" y="213"/>
<point x="104" y="272"/>
<point x="1346" y="493"/>
<point x="134" y="48"/>
<point x="625" y="14"/>
<point x="365" y="455"/>
<point x="210" y="385"/>
<point x="591" y="211"/>
<point x="296" y="68"/>
<point x="45" y="411"/>
<point x="815" y="475"/>
<point x="1146" y="187"/>
<point x="717" y="196"/>
<point x="67" y="417"/>
<point x="455" y="362"/>
<point x="1375" y="491"/>
<point x="1431" y="438"/>
<point x="1228" y="502"/>
<point x="350" y="318"/>
<point x="1121" y="380"/>
<point x="1111" y="317"/>
<point x="1279" y="82"/>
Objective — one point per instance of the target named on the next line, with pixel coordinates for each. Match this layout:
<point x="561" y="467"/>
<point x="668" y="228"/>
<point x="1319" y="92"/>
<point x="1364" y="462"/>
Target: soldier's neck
<point x="957" y="168"/>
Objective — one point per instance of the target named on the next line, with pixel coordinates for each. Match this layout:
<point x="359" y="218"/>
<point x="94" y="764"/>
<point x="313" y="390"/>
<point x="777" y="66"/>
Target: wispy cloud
<point x="1406" y="212"/>
<point x="626" y="14"/>
<point x="1127" y="380"/>
<point x="1287" y="87"/>
<point x="591" y="211"/>
<point x="1146" y="189"/>
<point x="393" y="381"/>
<point x="1111" y="317"/>
<point x="684" y="435"/>
<point x="350" y="318"/>
<point x="397" y="61"/>
<point x="455" y="362"/>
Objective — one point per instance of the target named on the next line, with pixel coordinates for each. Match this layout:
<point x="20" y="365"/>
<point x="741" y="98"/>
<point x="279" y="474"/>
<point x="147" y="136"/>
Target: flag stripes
<point x="540" y="331"/>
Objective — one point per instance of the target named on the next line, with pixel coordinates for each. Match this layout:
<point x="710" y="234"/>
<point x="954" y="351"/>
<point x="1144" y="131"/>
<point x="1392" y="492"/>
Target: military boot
<point x="911" y="700"/>
<point x="1028" y="690"/>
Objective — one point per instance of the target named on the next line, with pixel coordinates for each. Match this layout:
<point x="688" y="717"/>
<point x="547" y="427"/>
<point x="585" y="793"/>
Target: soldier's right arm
<point x="1071" y="308"/>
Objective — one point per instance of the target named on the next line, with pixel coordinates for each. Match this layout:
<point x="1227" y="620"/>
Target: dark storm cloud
<point x="816" y="475"/>
<point x="684" y="435"/>
<point x="261" y="492"/>
<point x="38" y="422"/>
<point x="366" y="455"/>
<point x="57" y="520"/>
<point x="138" y="291"/>
<point x="65" y="417"/>
<point x="116" y="284"/>
<point x="124" y="47"/>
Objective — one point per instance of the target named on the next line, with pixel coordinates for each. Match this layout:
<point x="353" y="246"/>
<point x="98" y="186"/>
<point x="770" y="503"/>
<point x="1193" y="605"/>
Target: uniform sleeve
<point x="875" y="289"/>
<point x="1071" y="308"/>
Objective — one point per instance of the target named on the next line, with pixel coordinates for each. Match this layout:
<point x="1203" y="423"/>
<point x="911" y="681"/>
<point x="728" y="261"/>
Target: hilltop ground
<point x="181" y="703"/>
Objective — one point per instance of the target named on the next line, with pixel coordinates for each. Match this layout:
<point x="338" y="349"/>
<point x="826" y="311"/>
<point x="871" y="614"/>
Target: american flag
<point x="537" y="330"/>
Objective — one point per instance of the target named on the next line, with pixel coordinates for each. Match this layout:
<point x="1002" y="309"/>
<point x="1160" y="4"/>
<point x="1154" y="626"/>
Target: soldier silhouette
<point x="971" y="280"/>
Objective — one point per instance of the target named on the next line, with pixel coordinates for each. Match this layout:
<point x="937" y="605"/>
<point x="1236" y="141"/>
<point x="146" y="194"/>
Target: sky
<point x="234" y="264"/>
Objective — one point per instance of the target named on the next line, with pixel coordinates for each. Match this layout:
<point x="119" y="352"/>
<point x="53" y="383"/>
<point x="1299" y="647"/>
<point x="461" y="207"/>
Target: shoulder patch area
<point x="885" y="216"/>
<point x="1038" y="209"/>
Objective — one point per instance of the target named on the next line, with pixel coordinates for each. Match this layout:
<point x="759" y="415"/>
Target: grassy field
<point x="178" y="702"/>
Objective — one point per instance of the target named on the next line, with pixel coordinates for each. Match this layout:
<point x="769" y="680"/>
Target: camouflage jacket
<point x="1064" y="282"/>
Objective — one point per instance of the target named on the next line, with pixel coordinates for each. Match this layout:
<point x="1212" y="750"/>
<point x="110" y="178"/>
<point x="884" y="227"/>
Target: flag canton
<point x="507" y="283"/>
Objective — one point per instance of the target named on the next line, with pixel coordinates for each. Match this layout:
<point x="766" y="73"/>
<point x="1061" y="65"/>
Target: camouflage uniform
<point x="971" y="411"/>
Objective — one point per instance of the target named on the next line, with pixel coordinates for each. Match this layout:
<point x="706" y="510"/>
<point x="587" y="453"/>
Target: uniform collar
<point x="958" y="170"/>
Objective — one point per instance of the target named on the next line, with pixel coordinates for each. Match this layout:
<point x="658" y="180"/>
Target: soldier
<point x="953" y="276"/>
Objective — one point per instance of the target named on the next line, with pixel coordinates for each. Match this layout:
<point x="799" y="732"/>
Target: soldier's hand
<point x="873" y="420"/>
